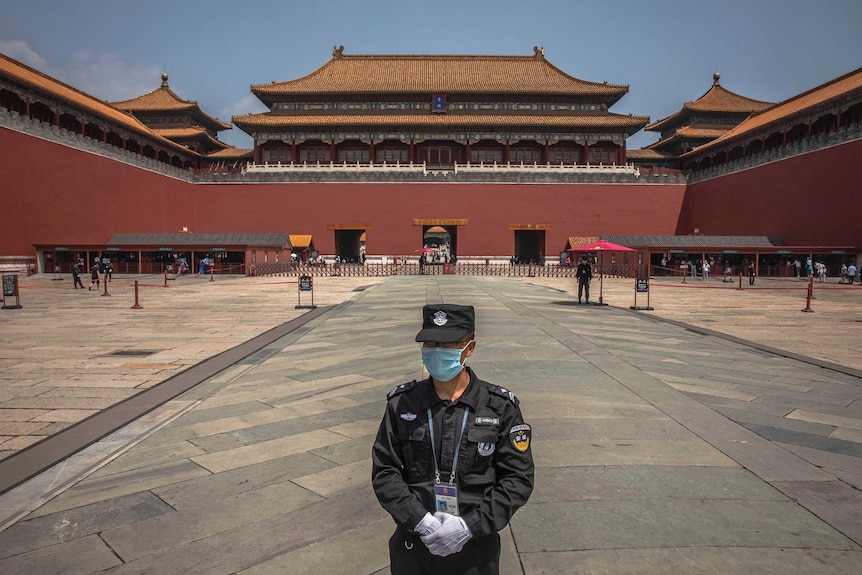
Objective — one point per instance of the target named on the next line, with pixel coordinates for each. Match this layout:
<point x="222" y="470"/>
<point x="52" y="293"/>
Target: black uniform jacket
<point x="495" y="464"/>
<point x="585" y="272"/>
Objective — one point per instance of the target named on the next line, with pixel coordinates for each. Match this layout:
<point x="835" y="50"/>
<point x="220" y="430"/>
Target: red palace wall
<point x="810" y="200"/>
<point x="61" y="196"/>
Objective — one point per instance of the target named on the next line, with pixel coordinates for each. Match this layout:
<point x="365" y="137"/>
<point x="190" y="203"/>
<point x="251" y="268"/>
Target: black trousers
<point x="582" y="286"/>
<point x="409" y="556"/>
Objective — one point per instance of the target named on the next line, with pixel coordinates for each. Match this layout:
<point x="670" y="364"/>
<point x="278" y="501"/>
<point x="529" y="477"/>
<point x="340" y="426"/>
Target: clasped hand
<point x="449" y="537"/>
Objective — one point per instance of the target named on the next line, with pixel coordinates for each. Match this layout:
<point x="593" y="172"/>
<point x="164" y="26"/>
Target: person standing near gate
<point x="452" y="460"/>
<point x="584" y="275"/>
<point x="76" y="276"/>
<point x="751" y="273"/>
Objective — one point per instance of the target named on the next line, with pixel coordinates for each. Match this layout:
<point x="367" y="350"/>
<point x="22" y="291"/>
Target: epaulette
<point x="401" y="389"/>
<point x="503" y="392"/>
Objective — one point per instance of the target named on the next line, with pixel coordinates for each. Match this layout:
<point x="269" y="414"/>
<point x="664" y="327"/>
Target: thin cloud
<point x="99" y="74"/>
<point x="107" y="77"/>
<point x="21" y="51"/>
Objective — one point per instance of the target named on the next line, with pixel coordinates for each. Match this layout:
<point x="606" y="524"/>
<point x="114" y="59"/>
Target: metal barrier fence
<point x="473" y="269"/>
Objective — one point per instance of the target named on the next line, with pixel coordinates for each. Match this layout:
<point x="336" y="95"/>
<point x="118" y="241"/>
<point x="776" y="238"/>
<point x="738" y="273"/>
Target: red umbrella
<point x="601" y="246"/>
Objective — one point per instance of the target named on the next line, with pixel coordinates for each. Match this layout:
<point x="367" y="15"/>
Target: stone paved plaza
<point x="719" y="433"/>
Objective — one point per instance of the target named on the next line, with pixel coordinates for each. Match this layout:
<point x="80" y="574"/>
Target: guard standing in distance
<point x="452" y="459"/>
<point x="584" y="276"/>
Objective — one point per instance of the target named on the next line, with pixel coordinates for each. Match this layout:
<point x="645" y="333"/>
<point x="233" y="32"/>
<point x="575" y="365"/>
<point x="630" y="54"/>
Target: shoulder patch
<point x="401" y="389"/>
<point x="503" y="392"/>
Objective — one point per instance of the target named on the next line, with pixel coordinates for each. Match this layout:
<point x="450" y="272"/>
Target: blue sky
<point x="665" y="50"/>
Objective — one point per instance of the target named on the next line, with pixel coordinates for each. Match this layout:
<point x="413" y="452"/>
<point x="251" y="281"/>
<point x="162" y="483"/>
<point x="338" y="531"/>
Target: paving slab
<point x="657" y="447"/>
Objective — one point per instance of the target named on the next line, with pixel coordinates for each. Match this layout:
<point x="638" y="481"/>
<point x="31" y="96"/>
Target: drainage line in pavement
<point x="38" y="457"/>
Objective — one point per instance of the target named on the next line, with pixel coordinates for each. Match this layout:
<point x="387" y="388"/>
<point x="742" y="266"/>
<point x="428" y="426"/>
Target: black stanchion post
<point x="137" y="305"/>
<point x="810" y="293"/>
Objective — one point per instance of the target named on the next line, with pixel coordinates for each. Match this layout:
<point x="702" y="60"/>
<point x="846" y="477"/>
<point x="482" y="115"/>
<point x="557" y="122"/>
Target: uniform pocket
<point x="481" y="446"/>
<point x="417" y="454"/>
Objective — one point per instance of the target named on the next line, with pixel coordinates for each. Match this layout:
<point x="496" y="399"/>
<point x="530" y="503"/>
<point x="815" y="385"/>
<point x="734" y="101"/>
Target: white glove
<point x="449" y="538"/>
<point x="427" y="525"/>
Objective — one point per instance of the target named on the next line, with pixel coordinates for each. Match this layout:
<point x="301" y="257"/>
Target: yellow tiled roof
<point x="691" y="133"/>
<point x="575" y="241"/>
<point x="300" y="240"/>
<point x="435" y="121"/>
<point x="839" y="87"/>
<point x="648" y="153"/>
<point x="164" y="99"/>
<point x="190" y="133"/>
<point x="415" y="74"/>
<point x="22" y="74"/>
<point x="231" y="154"/>
<point x="716" y="99"/>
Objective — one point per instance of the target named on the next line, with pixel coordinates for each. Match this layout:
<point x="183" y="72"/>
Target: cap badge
<point x="440" y="319"/>
<point x="408" y="416"/>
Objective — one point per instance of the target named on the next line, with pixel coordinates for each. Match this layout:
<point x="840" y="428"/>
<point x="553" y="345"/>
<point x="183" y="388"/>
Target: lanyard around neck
<point x="457" y="446"/>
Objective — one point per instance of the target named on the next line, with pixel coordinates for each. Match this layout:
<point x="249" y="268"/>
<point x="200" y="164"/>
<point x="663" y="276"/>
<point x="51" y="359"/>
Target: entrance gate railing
<point x="473" y="269"/>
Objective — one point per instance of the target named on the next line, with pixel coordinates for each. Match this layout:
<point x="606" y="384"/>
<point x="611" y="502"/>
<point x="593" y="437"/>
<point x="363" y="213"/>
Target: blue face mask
<point x="443" y="363"/>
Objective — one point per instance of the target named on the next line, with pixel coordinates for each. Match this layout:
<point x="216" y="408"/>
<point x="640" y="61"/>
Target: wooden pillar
<point x="586" y="152"/>
<point x="257" y="153"/>
<point x="293" y="158"/>
<point x="332" y="157"/>
<point x="546" y="158"/>
<point x="140" y="259"/>
<point x="104" y="135"/>
<point x="412" y="153"/>
<point x="57" y="117"/>
<point x="371" y="152"/>
<point x="27" y="107"/>
<point x="467" y="150"/>
<point x="506" y="153"/>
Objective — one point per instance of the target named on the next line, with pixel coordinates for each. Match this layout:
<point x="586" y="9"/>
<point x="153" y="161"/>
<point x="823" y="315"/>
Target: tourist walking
<point x="94" y="276"/>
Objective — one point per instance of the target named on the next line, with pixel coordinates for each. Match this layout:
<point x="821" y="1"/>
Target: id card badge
<point x="446" y="499"/>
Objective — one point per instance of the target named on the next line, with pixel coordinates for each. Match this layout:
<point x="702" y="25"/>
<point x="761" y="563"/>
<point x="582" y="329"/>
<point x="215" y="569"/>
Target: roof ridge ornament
<point x="715" y="78"/>
<point x="539" y="52"/>
<point x="164" y="79"/>
<point x="338" y="52"/>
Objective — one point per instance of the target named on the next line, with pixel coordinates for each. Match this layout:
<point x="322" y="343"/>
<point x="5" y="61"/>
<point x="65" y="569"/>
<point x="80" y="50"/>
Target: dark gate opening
<point x="348" y="245"/>
<point x="530" y="246"/>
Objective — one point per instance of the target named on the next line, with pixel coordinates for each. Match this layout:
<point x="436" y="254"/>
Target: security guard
<point x="584" y="276"/>
<point x="452" y="460"/>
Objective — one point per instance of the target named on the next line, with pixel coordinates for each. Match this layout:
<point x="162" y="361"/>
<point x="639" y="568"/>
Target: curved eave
<point x="423" y="75"/>
<point x="385" y="122"/>
<point x="165" y="100"/>
<point x="181" y="135"/>
<point x="53" y="88"/>
<point x="717" y="100"/>
<point x="848" y="85"/>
